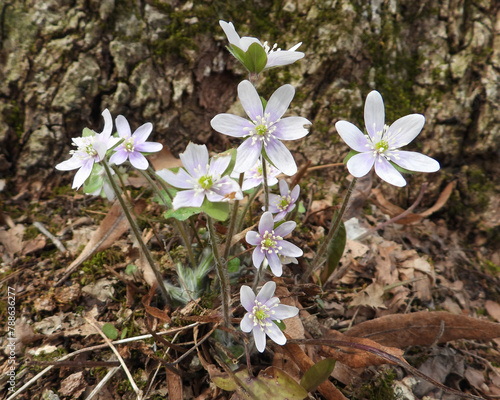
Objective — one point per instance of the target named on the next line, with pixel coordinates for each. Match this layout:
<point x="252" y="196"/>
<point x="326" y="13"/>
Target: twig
<point x="122" y="362"/>
<point x="103" y="382"/>
<point x="397" y="217"/>
<point x="45" y="231"/>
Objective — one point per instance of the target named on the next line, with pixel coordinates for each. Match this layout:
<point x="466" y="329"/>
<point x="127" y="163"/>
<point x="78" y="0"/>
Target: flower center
<point x="260" y="315"/>
<point x="263" y="129"/>
<point x="269" y="242"/>
<point x="85" y="148"/>
<point x="382" y="146"/>
<point x="129" y="145"/>
<point x="206" y="182"/>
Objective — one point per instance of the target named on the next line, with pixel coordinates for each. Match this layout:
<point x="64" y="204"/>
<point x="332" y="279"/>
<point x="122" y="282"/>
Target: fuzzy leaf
<point x="255" y="58"/>
<point x="218" y="211"/>
<point x="317" y="374"/>
<point x="110" y="331"/>
<point x="181" y="214"/>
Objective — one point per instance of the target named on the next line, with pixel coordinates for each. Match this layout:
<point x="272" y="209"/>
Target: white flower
<point x="381" y="145"/>
<point x="262" y="310"/>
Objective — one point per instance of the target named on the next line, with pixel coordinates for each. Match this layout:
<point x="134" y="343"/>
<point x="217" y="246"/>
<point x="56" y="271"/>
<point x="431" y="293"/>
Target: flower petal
<point x="148" y="147"/>
<point x="283" y="311"/>
<point x="188" y="198"/>
<point x="374" y="113"/>
<point x="388" y="173"/>
<point x="275" y="334"/>
<point x="72" y="163"/>
<point x="360" y="164"/>
<point x="266" y="292"/>
<point x="289" y="249"/>
<point x="108" y="124"/>
<point x="181" y="180"/>
<point x="218" y="165"/>
<point x="224" y="190"/>
<point x="285" y="228"/>
<point x="279" y="102"/>
<point x="253" y="238"/>
<point x="195" y="159"/>
<point x="247" y="298"/>
<point x="295" y="193"/>
<point x="404" y="130"/>
<point x="246" y="323"/>
<point x="257" y="257"/>
<point x="250" y="100"/>
<point x="275" y="264"/>
<point x="291" y="128"/>
<point x="284" y="57"/>
<point x="247" y="155"/>
<point x="138" y="160"/>
<point x="283" y="185"/>
<point x="142" y="133"/>
<point x="260" y="338"/>
<point x="231" y="125"/>
<point x="352" y="136"/>
<point x="281" y="157"/>
<point x="83" y="173"/>
<point x="266" y="223"/>
<point x="123" y="127"/>
<point x="119" y="157"/>
<point x="416" y="162"/>
<point x="230" y="31"/>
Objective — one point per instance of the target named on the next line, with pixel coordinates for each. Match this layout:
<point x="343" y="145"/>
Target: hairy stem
<point x="135" y="229"/>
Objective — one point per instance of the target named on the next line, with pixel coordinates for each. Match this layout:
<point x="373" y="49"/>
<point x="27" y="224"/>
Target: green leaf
<point x="271" y="383"/>
<point x="255" y="58"/>
<point x="349" y="155"/>
<point x="130" y="269"/>
<point x="124" y="334"/>
<point x="110" y="331"/>
<point x="233" y="265"/>
<point x="218" y="211"/>
<point x="237" y="53"/>
<point x="157" y="199"/>
<point x="334" y="252"/>
<point x="317" y="374"/>
<point x="182" y="214"/>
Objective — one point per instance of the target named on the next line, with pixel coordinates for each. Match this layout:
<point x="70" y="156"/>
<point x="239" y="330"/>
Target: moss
<point x="379" y="389"/>
<point x="95" y="266"/>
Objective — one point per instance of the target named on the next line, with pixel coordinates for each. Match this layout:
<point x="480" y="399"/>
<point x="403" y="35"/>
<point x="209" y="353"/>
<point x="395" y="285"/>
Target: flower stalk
<point x="135" y="229"/>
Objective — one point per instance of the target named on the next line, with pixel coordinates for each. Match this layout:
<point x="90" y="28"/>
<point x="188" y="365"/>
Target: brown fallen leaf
<point x="424" y="328"/>
<point x="12" y="239"/>
<point x="393" y="210"/>
<point x="112" y="227"/>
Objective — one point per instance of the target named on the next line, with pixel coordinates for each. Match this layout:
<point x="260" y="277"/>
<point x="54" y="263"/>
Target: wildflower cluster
<point x="212" y="185"/>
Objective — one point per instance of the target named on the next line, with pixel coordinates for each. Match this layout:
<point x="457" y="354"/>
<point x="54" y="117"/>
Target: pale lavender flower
<point x="381" y="145"/>
<point x="275" y="56"/>
<point x="91" y="148"/>
<point x="285" y="202"/>
<point x="134" y="144"/>
<point x="262" y="310"/>
<point x="265" y="130"/>
<point x="254" y="176"/>
<point x="201" y="178"/>
<point x="270" y="244"/>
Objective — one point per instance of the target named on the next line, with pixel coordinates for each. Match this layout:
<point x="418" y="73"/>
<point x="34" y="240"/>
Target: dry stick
<point x="103" y="382"/>
<point x="122" y="362"/>
<point x="178" y="225"/>
<point x="46" y="232"/>
<point x="97" y="347"/>
<point x="221" y="267"/>
<point x="331" y="234"/>
<point x="135" y="230"/>
<point x="264" y="184"/>
<point x="397" y="217"/>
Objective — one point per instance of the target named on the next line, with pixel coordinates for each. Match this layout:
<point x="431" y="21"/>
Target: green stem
<point x="221" y="272"/>
<point x="232" y="223"/>
<point x="264" y="183"/>
<point x="251" y="198"/>
<point x="135" y="230"/>
<point x="256" y="279"/>
<point x="331" y="234"/>
<point x="178" y="225"/>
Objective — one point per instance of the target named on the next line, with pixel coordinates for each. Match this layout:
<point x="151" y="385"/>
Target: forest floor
<point x="415" y="285"/>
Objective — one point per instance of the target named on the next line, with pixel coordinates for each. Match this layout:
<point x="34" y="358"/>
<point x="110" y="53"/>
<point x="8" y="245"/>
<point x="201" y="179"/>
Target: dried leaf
<point x="12" y="239"/>
<point x="424" y="328"/>
<point x="393" y="210"/>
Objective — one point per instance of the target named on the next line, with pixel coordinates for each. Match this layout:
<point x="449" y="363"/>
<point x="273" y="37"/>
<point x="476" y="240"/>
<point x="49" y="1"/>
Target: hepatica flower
<point x="134" y="144"/>
<point x="201" y="179"/>
<point x="91" y="148"/>
<point x="380" y="147"/>
<point x="265" y="130"/>
<point x="270" y="244"/>
<point x="275" y="56"/>
<point x="283" y="203"/>
<point x="262" y="310"/>
<point x="254" y="176"/>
